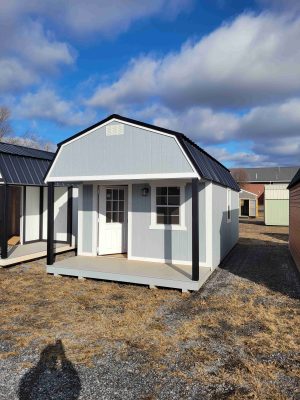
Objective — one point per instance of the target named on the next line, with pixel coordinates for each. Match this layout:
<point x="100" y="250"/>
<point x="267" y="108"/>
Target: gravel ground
<point x="221" y="351"/>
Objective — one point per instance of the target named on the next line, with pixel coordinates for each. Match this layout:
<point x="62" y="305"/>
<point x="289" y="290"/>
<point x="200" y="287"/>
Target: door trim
<point x="126" y="215"/>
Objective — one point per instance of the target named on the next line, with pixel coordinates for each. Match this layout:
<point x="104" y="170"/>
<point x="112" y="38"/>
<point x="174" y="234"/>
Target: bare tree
<point x="31" y="140"/>
<point x="5" y="128"/>
<point x="240" y="175"/>
<point x="28" y="139"/>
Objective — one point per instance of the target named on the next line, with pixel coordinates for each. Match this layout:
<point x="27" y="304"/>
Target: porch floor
<point x="30" y="251"/>
<point x="124" y="270"/>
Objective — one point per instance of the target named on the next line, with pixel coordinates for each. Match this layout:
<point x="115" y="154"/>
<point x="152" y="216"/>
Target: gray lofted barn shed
<point x="154" y="208"/>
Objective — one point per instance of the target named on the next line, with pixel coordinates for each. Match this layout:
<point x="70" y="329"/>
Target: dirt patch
<point x="238" y="338"/>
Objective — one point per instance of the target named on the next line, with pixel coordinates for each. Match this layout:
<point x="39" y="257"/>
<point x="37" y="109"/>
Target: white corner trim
<point x="228" y="202"/>
<point x="95" y="220"/>
<point x="80" y="220"/>
<point x="129" y="222"/>
<point x="209" y="223"/>
<point x="153" y="223"/>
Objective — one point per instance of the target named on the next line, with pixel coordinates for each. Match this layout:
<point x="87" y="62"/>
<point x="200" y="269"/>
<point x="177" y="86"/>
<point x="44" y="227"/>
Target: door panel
<point x="112" y="220"/>
<point x="252" y="208"/>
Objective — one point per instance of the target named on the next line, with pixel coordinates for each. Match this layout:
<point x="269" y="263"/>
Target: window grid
<point x="168" y="205"/>
<point x="115" y="203"/>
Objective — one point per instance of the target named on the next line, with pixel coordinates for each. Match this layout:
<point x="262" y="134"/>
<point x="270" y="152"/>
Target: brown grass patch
<point x="222" y="338"/>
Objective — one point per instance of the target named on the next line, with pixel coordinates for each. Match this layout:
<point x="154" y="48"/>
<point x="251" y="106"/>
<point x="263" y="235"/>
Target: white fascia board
<point x="133" y="177"/>
<point x="246" y="191"/>
<point x="126" y="123"/>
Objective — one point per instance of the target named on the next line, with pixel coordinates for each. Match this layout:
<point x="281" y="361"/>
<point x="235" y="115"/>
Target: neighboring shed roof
<point x="268" y="174"/>
<point x="23" y="165"/>
<point x="295" y="180"/>
<point x="206" y="165"/>
<point x="244" y="194"/>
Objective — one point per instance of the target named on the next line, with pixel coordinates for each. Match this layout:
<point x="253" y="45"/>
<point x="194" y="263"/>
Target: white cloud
<point x="28" y="52"/>
<point x="94" y="16"/>
<point x="253" y="60"/>
<point x="270" y="134"/>
<point x="14" y="75"/>
<point x="240" y="158"/>
<point x="46" y="104"/>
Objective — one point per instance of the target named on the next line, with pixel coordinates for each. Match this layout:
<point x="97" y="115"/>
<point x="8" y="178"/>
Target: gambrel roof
<point x="205" y="165"/>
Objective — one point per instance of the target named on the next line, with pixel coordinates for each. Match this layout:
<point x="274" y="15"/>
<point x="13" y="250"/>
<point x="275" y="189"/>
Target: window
<point x="228" y="205"/>
<point x="167" y="205"/>
<point x="115" y="205"/>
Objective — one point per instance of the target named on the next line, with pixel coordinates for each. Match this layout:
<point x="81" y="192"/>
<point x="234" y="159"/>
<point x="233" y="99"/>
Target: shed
<point x="163" y="207"/>
<point x="277" y="204"/>
<point x="248" y="204"/>
<point x="294" y="207"/>
<point x="23" y="206"/>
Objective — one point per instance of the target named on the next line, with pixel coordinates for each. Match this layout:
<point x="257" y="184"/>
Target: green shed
<point x="276" y="205"/>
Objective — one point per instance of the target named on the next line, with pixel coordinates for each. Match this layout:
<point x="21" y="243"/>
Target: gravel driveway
<point x="237" y="338"/>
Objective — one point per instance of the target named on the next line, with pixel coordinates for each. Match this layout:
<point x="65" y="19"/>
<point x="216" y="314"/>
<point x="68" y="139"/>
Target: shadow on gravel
<point x="53" y="378"/>
<point x="271" y="266"/>
<point x="280" y="236"/>
<point x="251" y="221"/>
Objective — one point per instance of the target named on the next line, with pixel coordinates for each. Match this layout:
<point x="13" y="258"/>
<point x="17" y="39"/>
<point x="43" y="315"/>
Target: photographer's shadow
<point x="54" y="377"/>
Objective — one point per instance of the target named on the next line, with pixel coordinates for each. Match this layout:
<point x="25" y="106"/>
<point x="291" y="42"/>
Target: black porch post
<point x="195" y="230"/>
<point x="50" y="225"/>
<point x="70" y="214"/>
<point x="5" y="211"/>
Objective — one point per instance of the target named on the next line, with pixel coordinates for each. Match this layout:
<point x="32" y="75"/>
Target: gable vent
<point x="114" y="129"/>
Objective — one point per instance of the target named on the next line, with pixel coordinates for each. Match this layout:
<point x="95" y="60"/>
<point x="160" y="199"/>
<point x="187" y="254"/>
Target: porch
<point x="31" y="251"/>
<point x="121" y="269"/>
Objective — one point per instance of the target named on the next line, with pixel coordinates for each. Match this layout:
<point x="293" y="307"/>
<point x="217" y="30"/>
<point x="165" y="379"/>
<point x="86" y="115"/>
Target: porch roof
<point x="23" y="165"/>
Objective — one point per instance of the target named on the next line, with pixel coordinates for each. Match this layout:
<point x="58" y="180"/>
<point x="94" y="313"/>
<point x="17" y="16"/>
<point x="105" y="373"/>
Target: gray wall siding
<point x="87" y="219"/>
<point x="137" y="151"/>
<point x="224" y="234"/>
<point x="165" y="244"/>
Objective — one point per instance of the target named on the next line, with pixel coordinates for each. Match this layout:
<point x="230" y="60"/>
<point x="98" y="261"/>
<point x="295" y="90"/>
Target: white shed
<point x="276" y="204"/>
<point x="248" y="204"/>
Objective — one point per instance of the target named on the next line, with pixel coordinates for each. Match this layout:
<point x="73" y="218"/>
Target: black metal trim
<point x="195" y="230"/>
<point x="70" y="213"/>
<point x="5" y="211"/>
<point x="50" y="225"/>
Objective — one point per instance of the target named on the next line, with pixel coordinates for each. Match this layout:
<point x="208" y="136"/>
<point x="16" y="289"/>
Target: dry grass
<point x="220" y="338"/>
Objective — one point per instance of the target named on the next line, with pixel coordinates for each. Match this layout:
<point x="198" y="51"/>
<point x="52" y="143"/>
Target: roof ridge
<point x="26" y="147"/>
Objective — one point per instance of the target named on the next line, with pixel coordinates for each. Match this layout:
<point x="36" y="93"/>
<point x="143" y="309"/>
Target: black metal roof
<point x="23" y="165"/>
<point x="267" y="174"/>
<point x="295" y="180"/>
<point x="206" y="165"/>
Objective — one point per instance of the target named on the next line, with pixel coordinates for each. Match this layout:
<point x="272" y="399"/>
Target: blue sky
<point x="224" y="72"/>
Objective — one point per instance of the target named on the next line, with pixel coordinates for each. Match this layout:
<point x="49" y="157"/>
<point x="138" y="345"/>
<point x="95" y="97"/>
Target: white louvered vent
<point x="114" y="129"/>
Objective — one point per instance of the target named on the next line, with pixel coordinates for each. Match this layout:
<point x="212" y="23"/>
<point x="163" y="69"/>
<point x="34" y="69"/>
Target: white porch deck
<point x="30" y="251"/>
<point x="123" y="270"/>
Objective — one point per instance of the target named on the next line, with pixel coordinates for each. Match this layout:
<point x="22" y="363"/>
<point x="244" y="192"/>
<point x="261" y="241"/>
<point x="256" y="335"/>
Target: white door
<point x="112" y="220"/>
<point x="252" y="208"/>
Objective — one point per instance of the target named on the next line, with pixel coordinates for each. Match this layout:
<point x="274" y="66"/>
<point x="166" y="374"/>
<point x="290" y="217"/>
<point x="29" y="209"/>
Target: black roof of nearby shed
<point x="22" y="165"/>
<point x="267" y="174"/>
<point x="295" y="180"/>
<point x="206" y="165"/>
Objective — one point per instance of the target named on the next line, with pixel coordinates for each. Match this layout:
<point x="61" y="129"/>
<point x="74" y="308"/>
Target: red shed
<point x="294" y="239"/>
